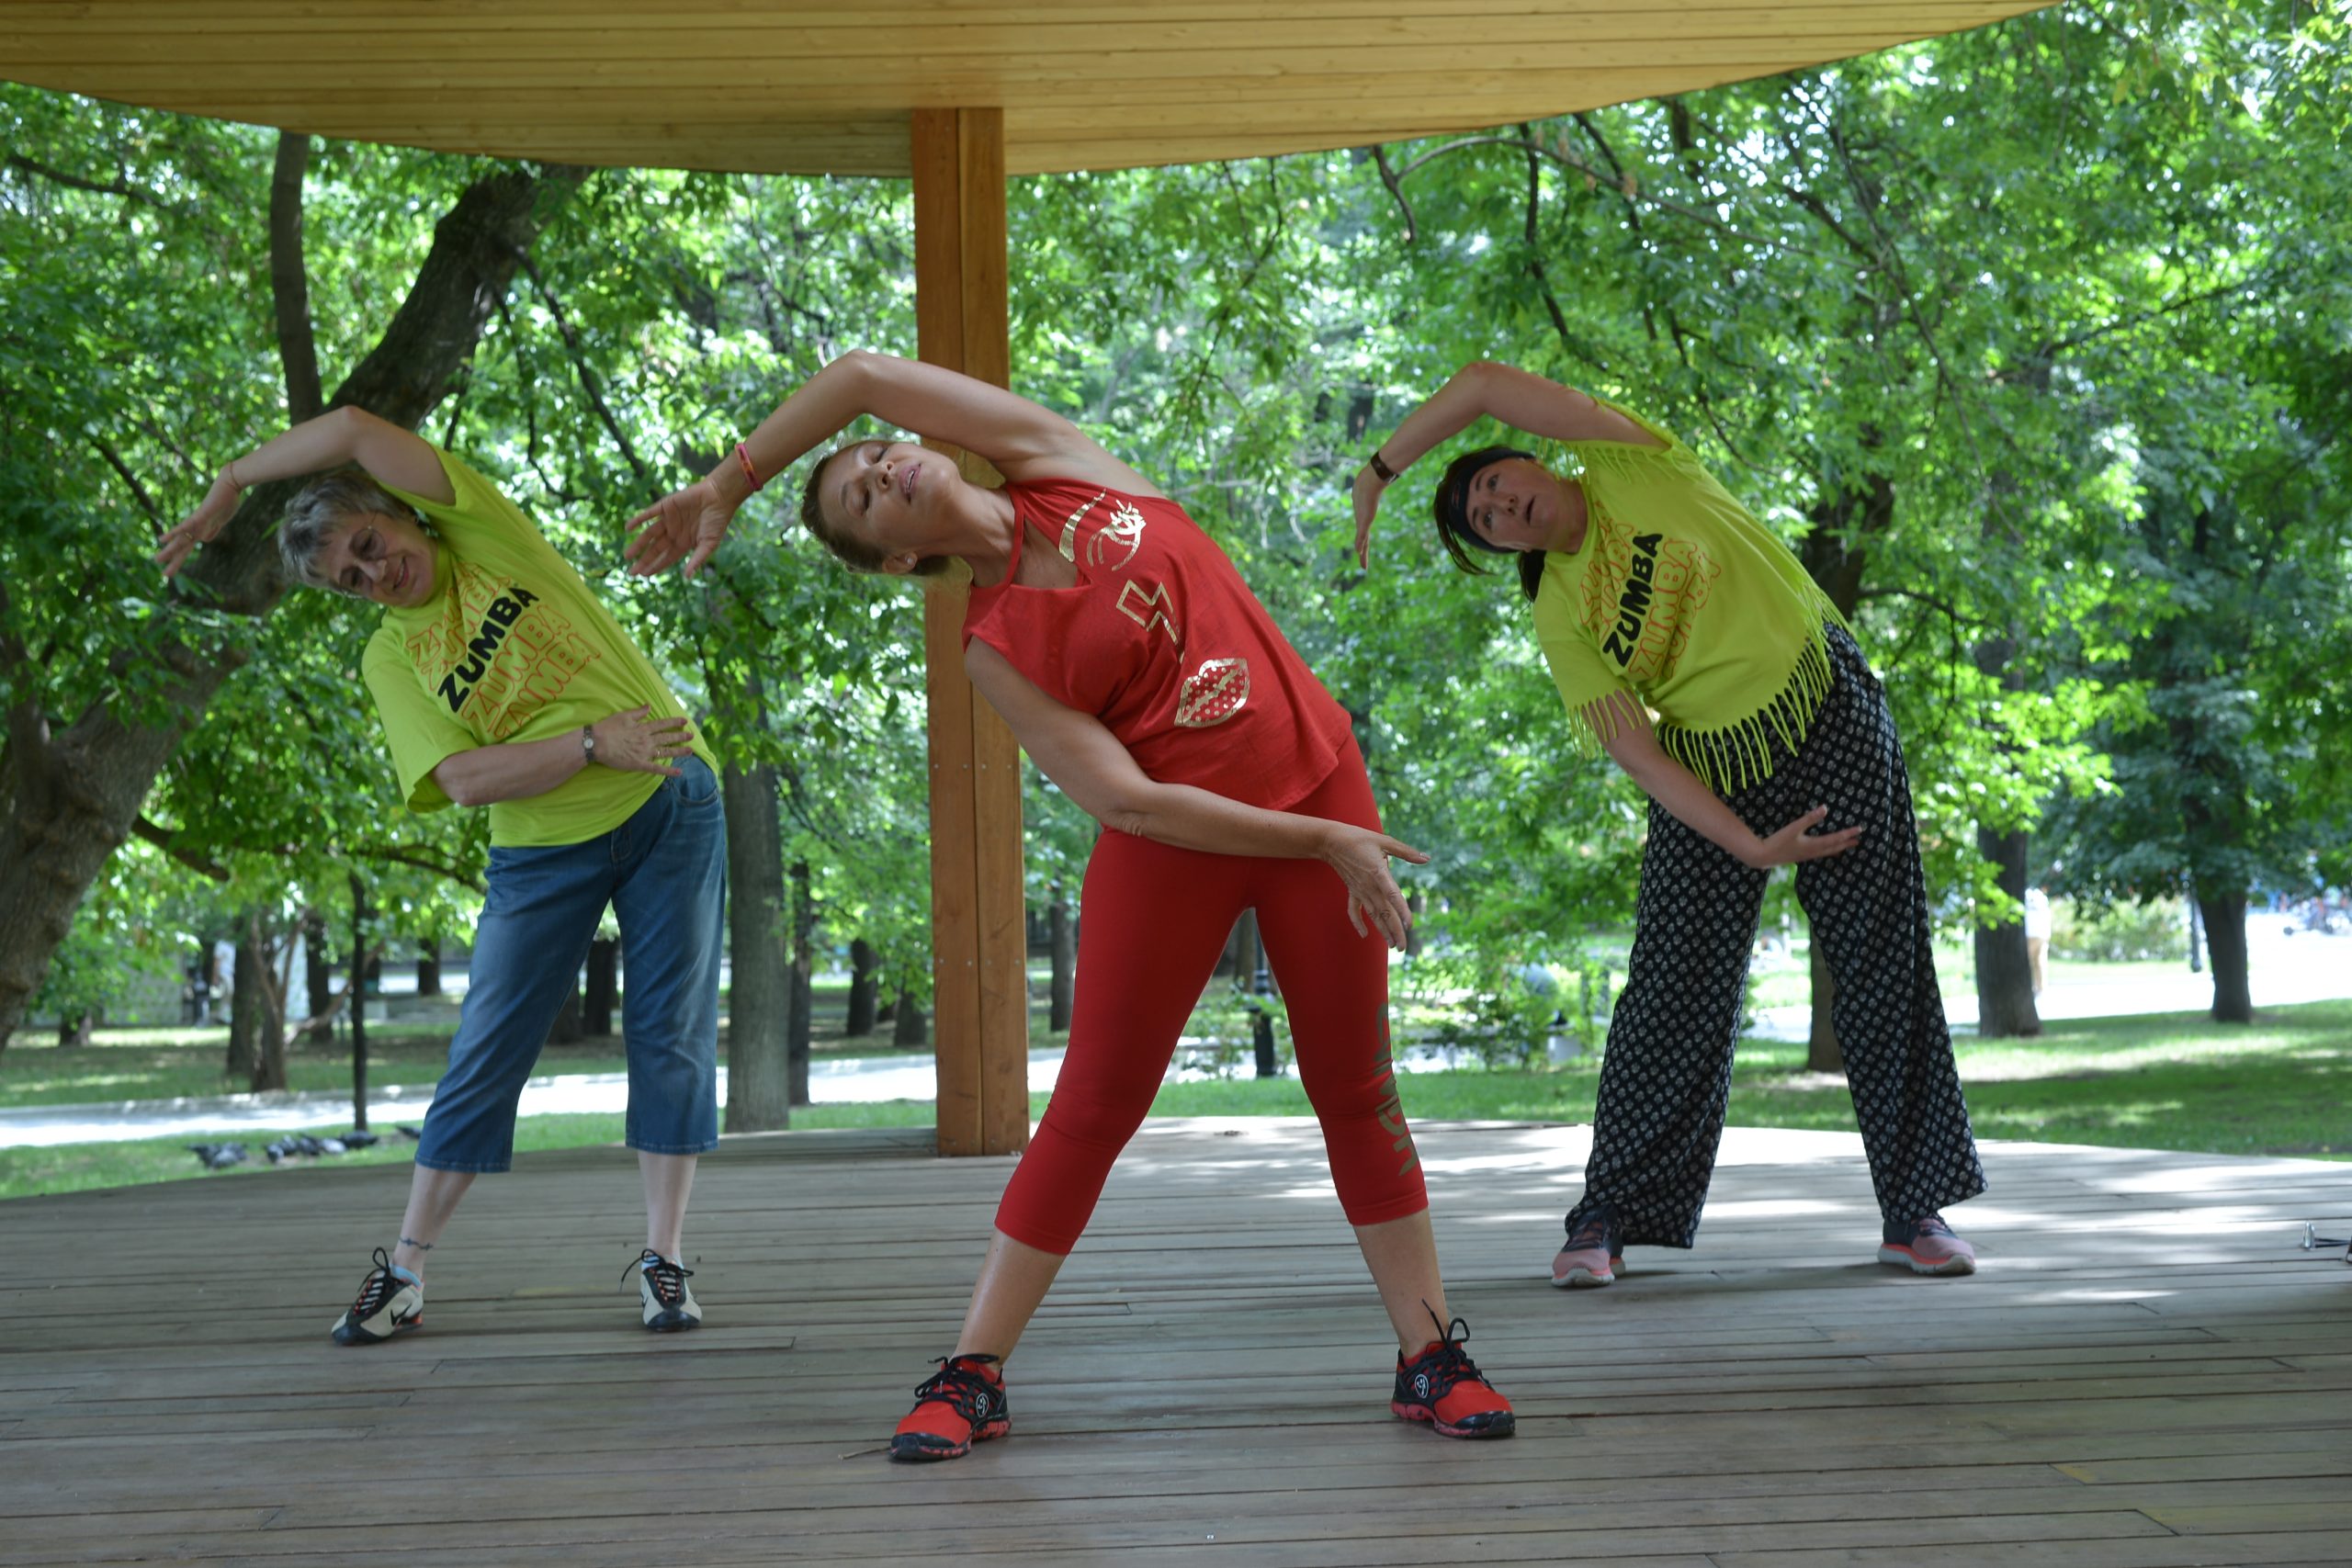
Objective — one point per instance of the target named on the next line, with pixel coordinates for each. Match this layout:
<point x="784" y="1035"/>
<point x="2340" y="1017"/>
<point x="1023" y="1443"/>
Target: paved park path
<point x="2285" y="969"/>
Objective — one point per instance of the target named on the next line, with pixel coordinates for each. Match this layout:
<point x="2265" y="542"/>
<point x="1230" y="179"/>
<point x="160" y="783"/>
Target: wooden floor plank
<point x="1213" y="1363"/>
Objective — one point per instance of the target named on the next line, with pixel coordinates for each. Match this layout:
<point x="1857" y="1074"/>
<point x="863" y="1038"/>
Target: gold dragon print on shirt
<point x="1642" y="598"/>
<point x="1210" y="694"/>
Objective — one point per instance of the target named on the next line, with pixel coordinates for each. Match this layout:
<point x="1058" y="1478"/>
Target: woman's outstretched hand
<point x="635" y="743"/>
<point x="683" y="524"/>
<point x="1368" y="489"/>
<point x="201" y="526"/>
<point x="1797" y="842"/>
<point x="1360" y="857"/>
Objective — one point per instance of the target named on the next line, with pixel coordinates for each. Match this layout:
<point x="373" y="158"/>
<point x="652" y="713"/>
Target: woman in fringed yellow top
<point x="1692" y="647"/>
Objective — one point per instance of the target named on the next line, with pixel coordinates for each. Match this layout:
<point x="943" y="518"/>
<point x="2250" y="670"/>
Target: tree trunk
<point x="1061" y="934"/>
<point x="73" y="1027"/>
<point x="1846" y="522"/>
<point x="73" y="793"/>
<point x="565" y="1030"/>
<point x="356" y="1001"/>
<point x="428" y="970"/>
<point x="1417" y="904"/>
<point x="2224" y="905"/>
<point x="2004" y="1009"/>
<point x="1821" y="1052"/>
<point x="257" y="980"/>
<point x="289" y="283"/>
<point x="909" y="1027"/>
<point x="603" y="987"/>
<point x="317" y="978"/>
<point x="759" y="994"/>
<point x="1250" y="973"/>
<point x="865" y="988"/>
<point x="798" y="1025"/>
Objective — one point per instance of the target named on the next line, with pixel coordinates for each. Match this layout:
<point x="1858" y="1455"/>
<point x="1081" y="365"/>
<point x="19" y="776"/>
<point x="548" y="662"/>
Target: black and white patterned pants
<point x="1667" y="1075"/>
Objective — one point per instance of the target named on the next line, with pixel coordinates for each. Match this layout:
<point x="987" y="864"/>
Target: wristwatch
<point x="588" y="741"/>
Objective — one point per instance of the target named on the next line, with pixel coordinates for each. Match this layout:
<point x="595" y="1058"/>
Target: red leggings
<point x="1155" y="921"/>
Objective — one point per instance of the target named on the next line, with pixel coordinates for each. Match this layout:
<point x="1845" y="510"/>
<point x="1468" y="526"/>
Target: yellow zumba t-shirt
<point x="511" y="647"/>
<point x="1679" y="596"/>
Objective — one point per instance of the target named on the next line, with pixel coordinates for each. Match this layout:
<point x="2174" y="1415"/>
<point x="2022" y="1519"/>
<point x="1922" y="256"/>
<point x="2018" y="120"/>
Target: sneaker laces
<point x="960" y="1386"/>
<point x="1598" y="1230"/>
<point x="1446" y="1364"/>
<point x="1931" y="1225"/>
<point x="376" y="1288"/>
<point x="669" y="1279"/>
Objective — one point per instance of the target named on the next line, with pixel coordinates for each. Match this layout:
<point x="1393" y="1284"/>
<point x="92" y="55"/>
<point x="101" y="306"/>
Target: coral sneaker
<point x="1443" y="1387"/>
<point x="1926" y="1246"/>
<point x="1593" y="1253"/>
<point x="960" y="1404"/>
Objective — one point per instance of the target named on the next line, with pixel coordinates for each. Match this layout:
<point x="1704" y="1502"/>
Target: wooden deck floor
<point x="2147" y="1371"/>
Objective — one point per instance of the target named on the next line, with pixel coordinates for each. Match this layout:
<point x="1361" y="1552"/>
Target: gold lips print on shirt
<point x="1212" y="694"/>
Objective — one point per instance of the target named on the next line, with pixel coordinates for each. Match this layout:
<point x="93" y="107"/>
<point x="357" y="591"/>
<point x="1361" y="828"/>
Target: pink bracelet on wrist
<point x="749" y="472"/>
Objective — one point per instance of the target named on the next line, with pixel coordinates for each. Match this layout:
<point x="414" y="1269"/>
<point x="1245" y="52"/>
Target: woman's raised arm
<point x="1021" y="438"/>
<point x="397" y="457"/>
<point x="1485" y="388"/>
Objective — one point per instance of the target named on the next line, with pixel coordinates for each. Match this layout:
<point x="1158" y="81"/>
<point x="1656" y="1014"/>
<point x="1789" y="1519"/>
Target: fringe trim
<point x="1596" y="724"/>
<point x="1739" y="755"/>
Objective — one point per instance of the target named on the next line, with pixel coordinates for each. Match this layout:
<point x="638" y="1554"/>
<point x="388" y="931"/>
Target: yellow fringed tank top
<point x="1680" y="597"/>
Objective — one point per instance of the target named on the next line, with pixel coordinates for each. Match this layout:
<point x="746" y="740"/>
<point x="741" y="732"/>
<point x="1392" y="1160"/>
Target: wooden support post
<point x="979" y="947"/>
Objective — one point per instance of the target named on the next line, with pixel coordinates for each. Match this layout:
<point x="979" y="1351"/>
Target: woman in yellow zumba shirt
<point x="1655" y="592"/>
<point x="502" y="681"/>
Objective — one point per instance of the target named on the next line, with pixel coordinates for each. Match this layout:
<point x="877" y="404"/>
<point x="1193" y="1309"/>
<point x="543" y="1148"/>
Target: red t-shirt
<point x="1164" y="643"/>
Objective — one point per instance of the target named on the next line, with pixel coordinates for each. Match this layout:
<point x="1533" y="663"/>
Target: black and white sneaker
<point x="668" y="1306"/>
<point x="387" y="1306"/>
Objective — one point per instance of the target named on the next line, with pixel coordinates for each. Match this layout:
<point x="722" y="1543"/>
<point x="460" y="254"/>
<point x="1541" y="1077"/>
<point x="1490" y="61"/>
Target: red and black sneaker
<point x="960" y="1404"/>
<point x="390" y="1302"/>
<point x="1443" y="1387"/>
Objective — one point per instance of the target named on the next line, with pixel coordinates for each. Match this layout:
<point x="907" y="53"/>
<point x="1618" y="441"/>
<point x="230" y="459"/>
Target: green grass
<point x="2167" y="1081"/>
<point x="75" y="1168"/>
<point x="2176" y="1081"/>
<point x="176" y="1064"/>
<point x="1783" y="980"/>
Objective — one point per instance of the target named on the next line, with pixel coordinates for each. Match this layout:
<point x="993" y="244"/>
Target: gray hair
<point x="313" y="517"/>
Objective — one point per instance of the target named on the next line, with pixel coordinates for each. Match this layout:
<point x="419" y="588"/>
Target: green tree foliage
<point x="2031" y="340"/>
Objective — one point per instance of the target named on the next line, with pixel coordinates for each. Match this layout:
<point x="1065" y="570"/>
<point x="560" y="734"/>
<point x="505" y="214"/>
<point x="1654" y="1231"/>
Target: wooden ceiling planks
<point x="763" y="88"/>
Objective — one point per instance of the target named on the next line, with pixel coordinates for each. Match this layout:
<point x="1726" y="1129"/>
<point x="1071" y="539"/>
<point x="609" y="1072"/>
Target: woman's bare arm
<point x="1081" y="756"/>
<point x="397" y="457"/>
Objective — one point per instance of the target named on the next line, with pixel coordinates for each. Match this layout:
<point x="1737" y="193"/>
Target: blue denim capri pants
<point x="664" y="873"/>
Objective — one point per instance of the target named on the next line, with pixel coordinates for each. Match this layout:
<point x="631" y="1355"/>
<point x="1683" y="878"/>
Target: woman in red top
<point x="1135" y="666"/>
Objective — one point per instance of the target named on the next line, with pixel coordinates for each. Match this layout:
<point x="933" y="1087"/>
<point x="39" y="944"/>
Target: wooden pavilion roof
<point x="757" y="86"/>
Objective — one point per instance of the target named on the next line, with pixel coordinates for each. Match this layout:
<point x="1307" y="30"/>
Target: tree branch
<point x="146" y="501"/>
<point x="1932" y="602"/>
<point x="119" y="186"/>
<point x="587" y="376"/>
<point x="1627" y="186"/>
<point x="165" y="841"/>
<point x="1389" y="177"/>
<point x="405" y="855"/>
<point x="2049" y="352"/>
